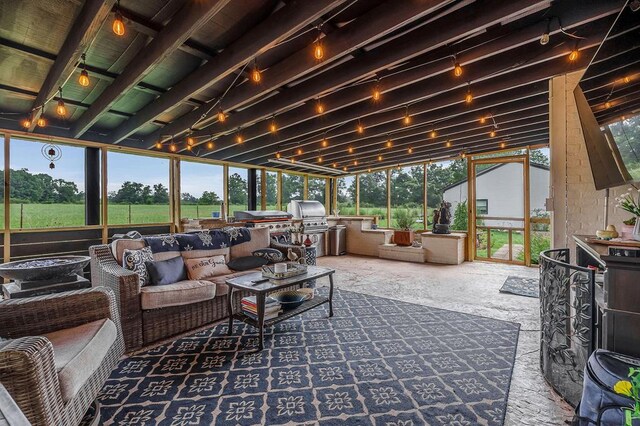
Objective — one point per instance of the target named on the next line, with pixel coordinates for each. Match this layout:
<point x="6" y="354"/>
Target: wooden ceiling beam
<point x="191" y="17"/>
<point x="444" y="91"/>
<point x="459" y="24"/>
<point x="82" y="32"/>
<point x="339" y="43"/>
<point x="289" y="129"/>
<point x="280" y="25"/>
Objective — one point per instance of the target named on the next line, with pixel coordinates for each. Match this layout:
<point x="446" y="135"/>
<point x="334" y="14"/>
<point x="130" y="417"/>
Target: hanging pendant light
<point x="158" y="145"/>
<point x="376" y="94"/>
<point x="273" y="127"/>
<point x="574" y="54"/>
<point x="407" y="118"/>
<point x="26" y="123"/>
<point x="433" y="134"/>
<point x="318" y="49"/>
<point x="61" y="109"/>
<point x="83" y="80"/>
<point x="325" y="142"/>
<point x="469" y="96"/>
<point x="118" y="23"/>
<point x="255" y="73"/>
<point x="319" y="107"/>
<point x="210" y="144"/>
<point x="239" y="138"/>
<point x="221" y="116"/>
<point x="42" y="122"/>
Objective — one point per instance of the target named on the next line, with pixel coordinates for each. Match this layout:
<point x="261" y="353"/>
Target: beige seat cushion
<point x="221" y="287"/>
<point x="259" y="240"/>
<point x="177" y="294"/>
<point x="119" y="246"/>
<point x="79" y="351"/>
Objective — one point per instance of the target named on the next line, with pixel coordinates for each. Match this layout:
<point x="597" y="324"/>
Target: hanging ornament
<point x="52" y="153"/>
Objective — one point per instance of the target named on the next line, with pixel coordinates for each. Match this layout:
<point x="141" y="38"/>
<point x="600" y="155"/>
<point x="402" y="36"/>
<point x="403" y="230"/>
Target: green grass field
<point x="31" y="216"/>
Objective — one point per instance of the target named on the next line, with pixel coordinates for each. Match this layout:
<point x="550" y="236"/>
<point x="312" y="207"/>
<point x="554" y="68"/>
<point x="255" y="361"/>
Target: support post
<point x="225" y="190"/>
<point x="388" y="198"/>
<point x="305" y="187"/>
<point x="263" y="189"/>
<point x="252" y="191"/>
<point x="425" y="210"/>
<point x="174" y="200"/>
<point x="357" y="200"/>
<point x="105" y="196"/>
<point x="279" y="185"/>
<point x="92" y="186"/>
<point x="7" y="199"/>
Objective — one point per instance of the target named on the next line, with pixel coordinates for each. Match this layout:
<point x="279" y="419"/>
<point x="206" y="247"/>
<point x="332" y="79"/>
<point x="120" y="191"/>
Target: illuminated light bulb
<point x="273" y="127"/>
<point x="468" y="97"/>
<point x="299" y="151"/>
<point x="574" y="55"/>
<point x="318" y="50"/>
<point x="463" y="155"/>
<point x="293" y="160"/>
<point x="503" y="144"/>
<point x="256" y="76"/>
<point x="61" y="109"/>
<point x="190" y="141"/>
<point x="26" y="123"/>
<point x="334" y="165"/>
<point x="375" y="96"/>
<point x="389" y="143"/>
<point x="173" y="147"/>
<point x="492" y="134"/>
<point x="410" y="150"/>
<point x="188" y="147"/>
<point x="607" y="104"/>
<point x="360" y="128"/>
<point x="278" y="155"/>
<point x="379" y="157"/>
<point x="41" y="121"/>
<point x="448" y="144"/>
<point x="239" y="138"/>
<point x="319" y="108"/>
<point x="84" y="78"/>
<point x="544" y="39"/>
<point x="210" y="145"/>
<point x="433" y="134"/>
<point x="355" y="162"/>
<point x="457" y="69"/>
<point x="344" y="168"/>
<point x="626" y="79"/>
<point x="118" y="25"/>
<point x="158" y="145"/>
<point x="369" y="170"/>
<point x="325" y="142"/>
<point x="221" y="116"/>
<point x="350" y="150"/>
<point x="483" y="120"/>
<point x="407" y="119"/>
<point x="320" y="159"/>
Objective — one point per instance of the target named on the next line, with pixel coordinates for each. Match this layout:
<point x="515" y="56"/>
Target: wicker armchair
<point x="61" y="350"/>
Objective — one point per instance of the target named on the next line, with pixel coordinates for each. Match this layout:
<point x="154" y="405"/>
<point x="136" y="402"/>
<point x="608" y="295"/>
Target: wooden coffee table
<point x="253" y="283"/>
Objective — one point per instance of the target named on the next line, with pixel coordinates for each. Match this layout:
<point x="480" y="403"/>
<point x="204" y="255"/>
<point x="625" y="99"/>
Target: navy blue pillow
<point x="246" y="263"/>
<point x="164" y="272"/>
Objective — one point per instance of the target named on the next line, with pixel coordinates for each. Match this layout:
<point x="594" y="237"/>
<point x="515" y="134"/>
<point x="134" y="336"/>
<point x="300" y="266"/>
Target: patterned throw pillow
<point x="134" y="260"/>
<point x="206" y="267"/>
<point x="272" y="255"/>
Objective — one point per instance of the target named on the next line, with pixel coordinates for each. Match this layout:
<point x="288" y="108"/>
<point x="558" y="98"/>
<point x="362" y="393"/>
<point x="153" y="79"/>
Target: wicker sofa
<point x="61" y="348"/>
<point x="152" y="313"/>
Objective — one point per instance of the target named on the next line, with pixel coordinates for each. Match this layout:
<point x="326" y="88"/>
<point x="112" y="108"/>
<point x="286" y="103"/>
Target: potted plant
<point x="405" y="218"/>
<point x="626" y="230"/>
<point x="629" y="203"/>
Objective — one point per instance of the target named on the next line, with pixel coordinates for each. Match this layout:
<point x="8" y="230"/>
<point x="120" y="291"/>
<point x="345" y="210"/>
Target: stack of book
<point x="272" y="308"/>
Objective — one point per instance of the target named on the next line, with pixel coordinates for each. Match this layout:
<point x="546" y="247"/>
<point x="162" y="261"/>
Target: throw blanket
<point x="210" y="239"/>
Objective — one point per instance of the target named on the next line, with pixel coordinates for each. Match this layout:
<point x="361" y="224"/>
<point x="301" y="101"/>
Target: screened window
<point x="201" y="189"/>
<point x="373" y="196"/>
<point x="138" y="188"/>
<point x="407" y="196"/>
<point x="238" y="189"/>
<point x="482" y="207"/>
<point x="447" y="180"/>
<point x="292" y="188"/>
<point x="317" y="189"/>
<point x="346" y="195"/>
<point x="45" y="197"/>
<point x="271" y="193"/>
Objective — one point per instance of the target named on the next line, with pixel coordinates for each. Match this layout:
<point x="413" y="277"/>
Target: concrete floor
<point x="472" y="288"/>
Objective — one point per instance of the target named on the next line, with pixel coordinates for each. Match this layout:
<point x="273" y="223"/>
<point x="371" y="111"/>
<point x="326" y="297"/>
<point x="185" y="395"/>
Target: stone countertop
<point x="350" y="217"/>
<point x="458" y="235"/>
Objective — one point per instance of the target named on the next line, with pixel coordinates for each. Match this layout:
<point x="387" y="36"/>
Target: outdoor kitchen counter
<point x="361" y="239"/>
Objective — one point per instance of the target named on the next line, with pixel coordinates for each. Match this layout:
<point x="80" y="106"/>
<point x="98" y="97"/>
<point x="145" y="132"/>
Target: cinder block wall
<point x="577" y="207"/>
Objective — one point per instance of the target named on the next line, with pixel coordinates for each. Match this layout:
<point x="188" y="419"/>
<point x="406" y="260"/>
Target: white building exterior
<point x="500" y="192"/>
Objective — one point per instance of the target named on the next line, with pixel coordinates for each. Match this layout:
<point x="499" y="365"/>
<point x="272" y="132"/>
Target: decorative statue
<point x="441" y="225"/>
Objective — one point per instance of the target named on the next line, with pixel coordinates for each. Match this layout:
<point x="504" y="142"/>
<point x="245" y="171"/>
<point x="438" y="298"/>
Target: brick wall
<point x="577" y="207"/>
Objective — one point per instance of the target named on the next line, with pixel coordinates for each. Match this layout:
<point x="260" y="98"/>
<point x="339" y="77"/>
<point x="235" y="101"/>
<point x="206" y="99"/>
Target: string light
<point x="544" y="38"/>
<point x="319" y="107"/>
<point x="344" y="168"/>
<point x="607" y="105"/>
<point x="575" y="53"/>
<point x="375" y="96"/>
<point x="278" y="155"/>
<point x="463" y="154"/>
<point x="350" y="150"/>
<point x="42" y="122"/>
<point x="118" y="23"/>
<point x="410" y="150"/>
<point x="483" y="120"/>
<point x="379" y="157"/>
<point x="469" y="96"/>
<point x="355" y="162"/>
<point x="318" y="49"/>
<point x="255" y="73"/>
<point x="221" y="116"/>
<point x="293" y="160"/>
<point x="359" y="127"/>
<point x="84" y="75"/>
<point x="492" y="133"/>
<point x="26" y="123"/>
<point x="188" y="147"/>
<point x="325" y="142"/>
<point x="320" y="159"/>
<point x="369" y="170"/>
<point x="173" y="147"/>
<point x="239" y="138"/>
<point x="503" y="145"/>
<point x="273" y="127"/>
<point x="407" y="118"/>
<point x="210" y="145"/>
<point x="457" y="68"/>
<point x="158" y="145"/>
<point x="627" y="79"/>
<point x="448" y="144"/>
<point x="299" y="151"/>
<point x="433" y="134"/>
<point x="389" y="143"/>
<point x="61" y="109"/>
<point x="334" y="165"/>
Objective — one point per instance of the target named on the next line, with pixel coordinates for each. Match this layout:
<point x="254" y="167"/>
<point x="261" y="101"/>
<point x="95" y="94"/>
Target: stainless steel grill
<point x="312" y="213"/>
<point x="275" y="220"/>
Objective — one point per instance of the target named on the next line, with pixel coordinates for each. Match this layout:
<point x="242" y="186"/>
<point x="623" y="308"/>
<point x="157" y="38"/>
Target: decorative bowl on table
<point x="291" y="299"/>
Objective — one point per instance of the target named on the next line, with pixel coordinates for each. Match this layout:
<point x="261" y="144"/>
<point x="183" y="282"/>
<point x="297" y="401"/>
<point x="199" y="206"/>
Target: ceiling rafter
<point x="282" y="24"/>
<point x="185" y="22"/>
<point x="82" y="32"/>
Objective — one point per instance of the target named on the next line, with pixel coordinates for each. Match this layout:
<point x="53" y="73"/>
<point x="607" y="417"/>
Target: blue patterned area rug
<point x="376" y="362"/>
<point x="529" y="287"/>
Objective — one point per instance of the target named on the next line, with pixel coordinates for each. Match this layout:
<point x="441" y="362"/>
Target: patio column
<point x="92" y="186"/>
<point x="252" y="191"/>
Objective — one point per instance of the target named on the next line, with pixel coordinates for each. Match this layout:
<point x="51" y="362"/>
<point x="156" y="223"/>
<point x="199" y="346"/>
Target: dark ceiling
<point x="180" y="62"/>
